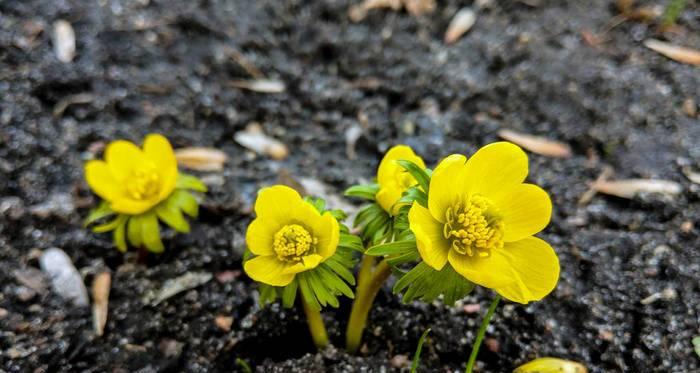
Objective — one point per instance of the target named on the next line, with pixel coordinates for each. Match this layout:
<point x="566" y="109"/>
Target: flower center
<point x="474" y="227"/>
<point x="292" y="242"/>
<point x="143" y="183"/>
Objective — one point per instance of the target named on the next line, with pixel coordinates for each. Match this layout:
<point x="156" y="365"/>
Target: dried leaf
<point x="100" y="301"/>
<point x="260" y="85"/>
<point x="632" y="187"/>
<point x="691" y="175"/>
<point x="460" y="24"/>
<point x="689" y="107"/>
<point x="352" y="134"/>
<point x="551" y="365"/>
<point x="62" y="105"/>
<point x="674" y="52"/>
<point x="254" y="139"/>
<point x="176" y="286"/>
<point x="63" y="41"/>
<point x="537" y="144"/>
<point x="201" y="159"/>
<point x="419" y="7"/>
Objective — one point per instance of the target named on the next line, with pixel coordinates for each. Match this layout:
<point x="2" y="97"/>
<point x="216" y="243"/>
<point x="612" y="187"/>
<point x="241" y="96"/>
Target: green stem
<point x="369" y="281"/>
<point x="482" y="332"/>
<point x="316" y="326"/>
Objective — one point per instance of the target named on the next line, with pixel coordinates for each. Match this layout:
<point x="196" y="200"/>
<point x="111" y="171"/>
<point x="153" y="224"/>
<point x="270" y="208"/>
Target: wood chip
<point x="537" y="144"/>
<point x="591" y="192"/>
<point x="674" y="52"/>
<point x="256" y="140"/>
<point x="64" y="103"/>
<point x="419" y="7"/>
<point x="460" y="24"/>
<point x="260" y="85"/>
<point x="100" y="301"/>
<point x="224" y="322"/>
<point x="632" y="187"/>
<point x="690" y="108"/>
<point x="201" y="159"/>
<point x="63" y="41"/>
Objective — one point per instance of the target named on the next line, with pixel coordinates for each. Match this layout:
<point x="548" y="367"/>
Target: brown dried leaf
<point x="201" y="159"/>
<point x="260" y="85"/>
<point x="674" y="52"/>
<point x="537" y="144"/>
<point x="100" y="301"/>
<point x="631" y="187"/>
<point x="63" y="41"/>
<point x="254" y="139"/>
<point x="462" y="22"/>
<point x="224" y="322"/>
<point x="62" y="105"/>
<point x="419" y="7"/>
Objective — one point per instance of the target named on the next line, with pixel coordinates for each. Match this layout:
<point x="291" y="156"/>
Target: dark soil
<point x="163" y="66"/>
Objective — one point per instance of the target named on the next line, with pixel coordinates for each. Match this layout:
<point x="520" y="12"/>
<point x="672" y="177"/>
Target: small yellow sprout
<point x="393" y="179"/>
<point x="141" y="186"/>
<point x="481" y="218"/>
<point x="551" y="365"/>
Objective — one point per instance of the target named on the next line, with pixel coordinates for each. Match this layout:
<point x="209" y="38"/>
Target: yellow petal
<point x="387" y="196"/>
<point x="275" y="204"/>
<point x="101" y="181"/>
<point x="311" y="261"/>
<point x="447" y="184"/>
<point x="490" y="272"/>
<point x="268" y="270"/>
<point x="495" y="169"/>
<point x="157" y="149"/>
<point x="122" y="156"/>
<point x="260" y="237"/>
<point x="535" y="267"/>
<point x="326" y="229"/>
<point x="525" y="210"/>
<point x="432" y="245"/>
<point x="129" y="206"/>
<point x="388" y="168"/>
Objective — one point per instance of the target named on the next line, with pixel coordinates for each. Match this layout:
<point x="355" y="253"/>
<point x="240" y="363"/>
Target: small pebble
<point x="399" y="361"/>
<point x="65" y="278"/>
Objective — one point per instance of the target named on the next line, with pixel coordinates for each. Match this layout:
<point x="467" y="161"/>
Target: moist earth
<point x="166" y="66"/>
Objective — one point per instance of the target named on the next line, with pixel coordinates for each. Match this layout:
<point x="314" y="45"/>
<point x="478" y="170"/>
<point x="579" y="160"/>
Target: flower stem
<point x="481" y="333"/>
<point x="316" y="326"/>
<point x="370" y="280"/>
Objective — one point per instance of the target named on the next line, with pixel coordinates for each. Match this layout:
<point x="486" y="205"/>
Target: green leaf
<point x="367" y="214"/>
<point x="408" y="257"/>
<point x="414" y="194"/>
<point x="119" y="236"/>
<point x="101" y="211"/>
<point x="335" y="283"/>
<point x="368" y="191"/>
<point x="352" y="242"/>
<point x="307" y="292"/>
<point x="185" y="181"/>
<point x="133" y="231"/>
<point x="268" y="294"/>
<point x="392" y="248"/>
<point x="416" y="356"/>
<point x="320" y="289"/>
<point x="171" y="215"/>
<point x="417" y="172"/>
<point x="425" y="283"/>
<point x="289" y="294"/>
<point x="112" y="225"/>
<point x="318" y="203"/>
<point x="183" y="200"/>
<point x="340" y="269"/>
<point x="245" y="367"/>
<point x="338" y="214"/>
<point x="150" y="233"/>
<point x="696" y="344"/>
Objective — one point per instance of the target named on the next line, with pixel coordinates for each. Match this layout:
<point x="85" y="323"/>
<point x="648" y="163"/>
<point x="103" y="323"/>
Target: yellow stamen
<point x="473" y="227"/>
<point x="143" y="183"/>
<point x="292" y="242"/>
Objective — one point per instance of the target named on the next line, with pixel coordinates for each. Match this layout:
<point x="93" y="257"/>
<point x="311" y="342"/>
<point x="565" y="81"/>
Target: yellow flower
<point x="288" y="236"/>
<point x="481" y="218"/>
<point x="393" y="179"/>
<point x="133" y="180"/>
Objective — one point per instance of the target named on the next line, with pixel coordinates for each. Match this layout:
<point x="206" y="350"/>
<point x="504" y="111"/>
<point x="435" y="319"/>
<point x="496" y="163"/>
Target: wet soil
<point x="165" y="65"/>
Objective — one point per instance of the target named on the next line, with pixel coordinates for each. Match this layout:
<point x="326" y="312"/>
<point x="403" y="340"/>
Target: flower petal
<point x="388" y="168"/>
<point x="432" y="245"/>
<point x="275" y="204"/>
<point x="157" y="149"/>
<point x="535" y="267"/>
<point x="268" y="270"/>
<point x="101" y="181"/>
<point x="128" y="206"/>
<point x="260" y="237"/>
<point x="495" y="169"/>
<point x="387" y="196"/>
<point x="446" y="185"/>
<point x="326" y="229"/>
<point x="525" y="210"/>
<point x="490" y="272"/>
<point x="122" y="156"/>
<point x="311" y="261"/>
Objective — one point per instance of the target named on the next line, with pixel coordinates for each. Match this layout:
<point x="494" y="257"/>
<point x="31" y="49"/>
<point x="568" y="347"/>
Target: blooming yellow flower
<point x="288" y="236"/>
<point x="133" y="180"/>
<point x="481" y="218"/>
<point x="393" y="179"/>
